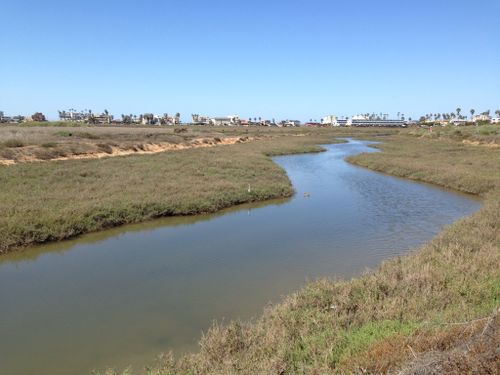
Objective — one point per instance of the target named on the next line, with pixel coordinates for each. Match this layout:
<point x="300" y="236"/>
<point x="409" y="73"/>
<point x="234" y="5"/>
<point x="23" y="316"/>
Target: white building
<point x="481" y="117"/>
<point x="200" y="120"/>
<point x="290" y="123"/>
<point x="359" y="117"/>
<point x="495" y="120"/>
<point x="329" y="120"/>
<point x="335" y="121"/>
<point x="458" y="121"/>
<point x="376" y="123"/>
<point x="227" y="121"/>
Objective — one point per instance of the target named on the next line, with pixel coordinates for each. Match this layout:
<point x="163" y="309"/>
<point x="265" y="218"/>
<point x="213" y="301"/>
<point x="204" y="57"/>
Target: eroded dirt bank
<point x="101" y="151"/>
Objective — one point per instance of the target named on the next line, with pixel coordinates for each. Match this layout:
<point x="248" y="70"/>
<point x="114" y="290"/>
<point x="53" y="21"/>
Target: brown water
<point x="122" y="296"/>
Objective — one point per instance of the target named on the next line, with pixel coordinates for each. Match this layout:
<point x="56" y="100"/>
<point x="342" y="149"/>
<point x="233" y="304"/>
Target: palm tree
<point x="472" y="111"/>
<point x="458" y="111"/>
<point x="497" y="112"/>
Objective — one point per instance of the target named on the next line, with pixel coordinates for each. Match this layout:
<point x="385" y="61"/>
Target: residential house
<point x="481" y="117"/>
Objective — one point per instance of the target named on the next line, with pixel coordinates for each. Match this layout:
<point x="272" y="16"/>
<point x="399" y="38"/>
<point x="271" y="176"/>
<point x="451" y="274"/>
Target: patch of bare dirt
<point x="483" y="144"/>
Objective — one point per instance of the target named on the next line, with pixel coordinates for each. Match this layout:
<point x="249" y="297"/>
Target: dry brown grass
<point x="454" y="348"/>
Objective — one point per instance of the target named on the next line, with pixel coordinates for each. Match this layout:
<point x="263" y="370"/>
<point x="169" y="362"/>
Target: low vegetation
<point x="44" y="202"/>
<point x="479" y="135"/>
<point x="433" y="310"/>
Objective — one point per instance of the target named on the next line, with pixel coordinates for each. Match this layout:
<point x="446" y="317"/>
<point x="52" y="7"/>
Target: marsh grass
<point x="432" y="310"/>
<point x="382" y="321"/>
<point x="481" y="134"/>
<point x="52" y="201"/>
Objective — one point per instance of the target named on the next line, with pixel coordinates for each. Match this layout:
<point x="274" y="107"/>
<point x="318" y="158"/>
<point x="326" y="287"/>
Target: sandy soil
<point x="477" y="143"/>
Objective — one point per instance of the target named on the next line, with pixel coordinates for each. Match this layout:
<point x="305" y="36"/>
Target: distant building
<point x="335" y="121"/>
<point x="458" y="121"/>
<point x="495" y="120"/>
<point x="231" y="120"/>
<point x="86" y="116"/>
<point x="329" y="120"/>
<point x="147" y="119"/>
<point x="481" y="117"/>
<point x="376" y="123"/>
<point x="103" y="118"/>
<point x="11" y="120"/>
<point x="360" y="118"/>
<point x="167" y="119"/>
<point x="226" y="121"/>
<point x="289" y="123"/>
<point x="200" y="120"/>
<point x="36" y="117"/>
<point x="73" y="115"/>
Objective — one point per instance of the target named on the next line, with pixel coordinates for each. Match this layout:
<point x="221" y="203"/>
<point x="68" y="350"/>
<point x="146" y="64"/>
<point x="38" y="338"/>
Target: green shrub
<point x="63" y="133"/>
<point x="49" y="144"/>
<point x="487" y="130"/>
<point x="87" y="135"/>
<point x="12" y="143"/>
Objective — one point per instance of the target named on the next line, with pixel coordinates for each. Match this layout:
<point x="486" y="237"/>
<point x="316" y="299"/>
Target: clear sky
<point x="273" y="58"/>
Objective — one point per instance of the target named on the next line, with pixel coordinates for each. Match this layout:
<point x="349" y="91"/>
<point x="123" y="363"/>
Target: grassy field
<point x="433" y="311"/>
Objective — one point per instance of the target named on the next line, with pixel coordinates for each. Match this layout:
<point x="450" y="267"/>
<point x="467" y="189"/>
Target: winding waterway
<point x="122" y="296"/>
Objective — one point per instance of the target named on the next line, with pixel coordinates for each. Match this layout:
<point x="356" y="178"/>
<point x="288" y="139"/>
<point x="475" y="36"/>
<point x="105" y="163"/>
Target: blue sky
<point x="274" y="59"/>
